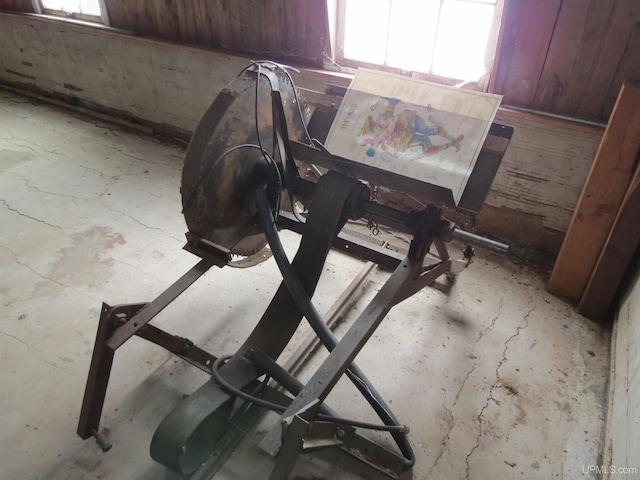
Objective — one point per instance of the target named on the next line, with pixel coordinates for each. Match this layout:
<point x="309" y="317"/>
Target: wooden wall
<point x="568" y="56"/>
<point x="622" y="442"/>
<point x="278" y="29"/>
<point x="17" y="5"/>
<point x="164" y="85"/>
<point x="295" y="31"/>
<point x="538" y="185"/>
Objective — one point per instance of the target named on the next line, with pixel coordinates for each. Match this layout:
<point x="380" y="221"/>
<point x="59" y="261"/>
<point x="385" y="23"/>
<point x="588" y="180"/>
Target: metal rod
<point x="138" y="321"/>
<point x="400" y="220"/>
<point x="478" y="241"/>
<point x="98" y="377"/>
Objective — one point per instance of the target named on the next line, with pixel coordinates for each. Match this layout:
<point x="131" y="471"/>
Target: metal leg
<point x="343" y="354"/>
<point x="134" y="324"/>
<point x="174" y="441"/>
<point x="291" y="448"/>
<point x="332" y="317"/>
<point x="99" y="371"/>
<point x="112" y="334"/>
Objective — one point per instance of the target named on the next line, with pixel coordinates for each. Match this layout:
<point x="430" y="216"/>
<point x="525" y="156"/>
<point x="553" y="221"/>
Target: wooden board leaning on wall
<point x="602" y="196"/>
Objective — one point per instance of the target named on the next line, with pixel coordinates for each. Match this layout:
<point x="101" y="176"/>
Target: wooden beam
<point x="601" y="197"/>
<point x="619" y="249"/>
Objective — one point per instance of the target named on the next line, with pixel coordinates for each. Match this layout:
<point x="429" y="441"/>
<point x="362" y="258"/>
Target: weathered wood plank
<point x="167" y="21"/>
<point x="621" y="244"/>
<point x="628" y="67"/>
<point x="317" y="24"/>
<point x="17" y="6"/>
<point x="588" y="42"/>
<point x="294" y="31"/>
<point x="564" y="48"/>
<point x="219" y="18"/>
<point x="185" y="31"/>
<point x="146" y="16"/>
<point x="118" y="12"/>
<point x="528" y="32"/>
<point x="544" y="168"/>
<point x="610" y="69"/>
<point x="601" y="197"/>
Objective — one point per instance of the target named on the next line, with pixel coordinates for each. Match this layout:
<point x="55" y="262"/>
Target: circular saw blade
<point x="231" y="139"/>
<point x="217" y="177"/>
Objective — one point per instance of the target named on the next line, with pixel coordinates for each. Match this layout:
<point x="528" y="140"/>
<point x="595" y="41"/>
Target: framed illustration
<point x="425" y="131"/>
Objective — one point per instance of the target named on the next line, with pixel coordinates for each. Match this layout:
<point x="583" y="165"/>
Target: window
<point x="89" y="10"/>
<point x="455" y="39"/>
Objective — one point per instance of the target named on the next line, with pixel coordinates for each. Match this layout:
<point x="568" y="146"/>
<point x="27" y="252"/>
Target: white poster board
<point x="415" y="128"/>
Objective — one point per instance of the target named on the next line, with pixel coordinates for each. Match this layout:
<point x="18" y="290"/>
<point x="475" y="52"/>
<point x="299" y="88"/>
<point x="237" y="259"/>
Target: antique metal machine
<point x="243" y="179"/>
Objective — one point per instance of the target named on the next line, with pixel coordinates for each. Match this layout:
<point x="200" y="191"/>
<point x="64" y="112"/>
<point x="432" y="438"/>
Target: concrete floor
<point x="498" y="379"/>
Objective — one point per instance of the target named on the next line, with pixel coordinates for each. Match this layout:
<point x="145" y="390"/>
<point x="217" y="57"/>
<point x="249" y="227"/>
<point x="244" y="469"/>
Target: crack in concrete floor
<point x="488" y="377"/>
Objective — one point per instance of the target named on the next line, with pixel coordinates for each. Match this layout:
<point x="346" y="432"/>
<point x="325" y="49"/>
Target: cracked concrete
<point x="497" y="379"/>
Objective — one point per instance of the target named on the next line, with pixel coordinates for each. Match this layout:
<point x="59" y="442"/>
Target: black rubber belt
<point x="188" y="434"/>
<point x="283" y="316"/>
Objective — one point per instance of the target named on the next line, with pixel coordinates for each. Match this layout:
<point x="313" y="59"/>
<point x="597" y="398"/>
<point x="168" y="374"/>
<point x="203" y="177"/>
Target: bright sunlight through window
<point x="90" y="8"/>
<point x="444" y="37"/>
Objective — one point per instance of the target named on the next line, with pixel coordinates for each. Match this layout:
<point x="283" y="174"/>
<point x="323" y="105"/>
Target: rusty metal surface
<point x="111" y="318"/>
<point x="214" y="176"/>
<point x="174" y="436"/>
<point x="233" y="136"/>
<point x="135" y="323"/>
<point x="245" y="140"/>
<point x="410" y="276"/>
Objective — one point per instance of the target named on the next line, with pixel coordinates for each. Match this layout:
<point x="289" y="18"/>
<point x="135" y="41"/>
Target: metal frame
<point x="118" y="324"/>
<point x="198" y="425"/>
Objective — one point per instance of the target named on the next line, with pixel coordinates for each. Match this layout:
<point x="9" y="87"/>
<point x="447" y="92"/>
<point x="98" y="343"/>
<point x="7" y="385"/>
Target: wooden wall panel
<point x="628" y="68"/>
<point x="119" y="14"/>
<point x="199" y="21"/>
<point x="280" y="29"/>
<point x="600" y="200"/>
<point x="561" y="56"/>
<point x="527" y="34"/>
<point x="17" y="6"/>
<point x="545" y="167"/>
<point x="568" y="57"/>
<point x="589" y="41"/>
<point x="167" y="19"/>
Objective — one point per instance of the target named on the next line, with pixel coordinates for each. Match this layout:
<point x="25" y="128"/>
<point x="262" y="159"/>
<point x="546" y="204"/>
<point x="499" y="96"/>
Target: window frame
<point x="337" y="14"/>
<point x="102" y="19"/>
